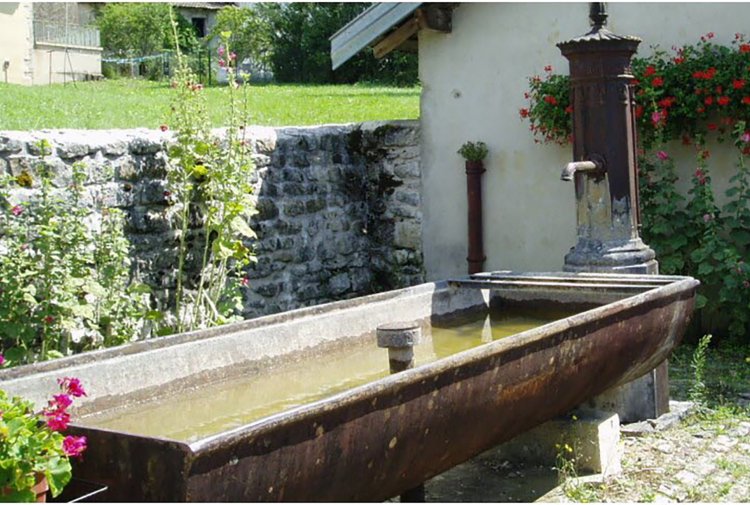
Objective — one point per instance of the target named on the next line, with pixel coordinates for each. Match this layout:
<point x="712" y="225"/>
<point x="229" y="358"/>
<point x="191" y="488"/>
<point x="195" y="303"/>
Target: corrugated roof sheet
<point x="203" y="5"/>
<point x="366" y="28"/>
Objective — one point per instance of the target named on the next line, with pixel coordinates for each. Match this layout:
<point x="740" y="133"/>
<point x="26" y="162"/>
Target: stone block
<point x="339" y="284"/>
<point x="412" y="198"/>
<point x="295" y="208"/>
<point x="11" y="144"/>
<point x="407" y="234"/>
<point x="125" y="168"/>
<point x="593" y="435"/>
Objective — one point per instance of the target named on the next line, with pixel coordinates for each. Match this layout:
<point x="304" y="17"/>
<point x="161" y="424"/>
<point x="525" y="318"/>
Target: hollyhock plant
<point x="32" y="445"/>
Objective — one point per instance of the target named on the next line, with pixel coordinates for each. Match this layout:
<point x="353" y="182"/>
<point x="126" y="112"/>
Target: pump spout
<point x="579" y="166"/>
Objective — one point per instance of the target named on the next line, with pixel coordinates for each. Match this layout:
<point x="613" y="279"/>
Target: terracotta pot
<point x="40" y="488"/>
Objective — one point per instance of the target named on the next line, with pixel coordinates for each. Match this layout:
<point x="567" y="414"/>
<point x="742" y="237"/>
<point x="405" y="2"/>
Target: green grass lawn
<point x="129" y="103"/>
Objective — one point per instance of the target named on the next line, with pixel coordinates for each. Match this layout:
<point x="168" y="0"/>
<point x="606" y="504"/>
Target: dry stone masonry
<point x="339" y="206"/>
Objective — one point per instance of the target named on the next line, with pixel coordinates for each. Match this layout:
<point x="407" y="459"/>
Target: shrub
<point x="64" y="277"/>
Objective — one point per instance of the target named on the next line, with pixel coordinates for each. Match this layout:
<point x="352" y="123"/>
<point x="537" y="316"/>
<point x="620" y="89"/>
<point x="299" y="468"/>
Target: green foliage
<point x="473" y="151"/>
<point x="208" y="180"/>
<point x="64" y="287"/>
<point x="142" y="29"/>
<point x="698" y="390"/>
<point x="299" y="49"/>
<point x="249" y="37"/>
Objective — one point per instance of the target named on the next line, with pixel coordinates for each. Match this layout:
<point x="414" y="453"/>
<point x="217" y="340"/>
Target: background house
<point x="473" y="82"/>
<point x="44" y="43"/>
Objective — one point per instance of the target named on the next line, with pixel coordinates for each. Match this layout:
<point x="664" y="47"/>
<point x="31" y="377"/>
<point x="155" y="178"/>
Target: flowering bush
<point x="694" y="92"/>
<point x="31" y="443"/>
<point x="64" y="277"/>
<point x="209" y="182"/>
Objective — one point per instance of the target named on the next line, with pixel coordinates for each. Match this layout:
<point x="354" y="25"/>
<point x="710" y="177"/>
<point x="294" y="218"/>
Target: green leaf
<point x="58" y="474"/>
<point x="239" y="225"/>
<point x="700" y="301"/>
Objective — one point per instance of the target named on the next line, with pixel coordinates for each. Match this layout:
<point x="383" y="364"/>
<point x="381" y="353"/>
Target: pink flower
<point x="2" y="360"/>
<point x="17" y="210"/>
<point x="72" y="386"/>
<point x="74" y="446"/>
<point x="58" y="420"/>
<point x="746" y="284"/>
<point x="548" y="68"/>
<point x="232" y="56"/>
<point x="245" y="281"/>
<point x="221" y="50"/>
<point x="745" y="137"/>
<point x="662" y="155"/>
<point x="656" y="117"/>
<point x="62" y="401"/>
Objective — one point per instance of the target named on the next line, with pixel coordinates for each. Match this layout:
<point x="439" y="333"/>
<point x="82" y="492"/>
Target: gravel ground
<point x="702" y="458"/>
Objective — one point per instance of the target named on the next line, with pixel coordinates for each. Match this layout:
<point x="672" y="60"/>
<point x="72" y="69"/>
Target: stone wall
<point x="339" y="206"/>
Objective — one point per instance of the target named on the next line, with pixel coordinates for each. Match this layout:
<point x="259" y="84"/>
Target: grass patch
<point x="132" y="103"/>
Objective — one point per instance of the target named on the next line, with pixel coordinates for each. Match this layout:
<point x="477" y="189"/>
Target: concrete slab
<point x="594" y="437"/>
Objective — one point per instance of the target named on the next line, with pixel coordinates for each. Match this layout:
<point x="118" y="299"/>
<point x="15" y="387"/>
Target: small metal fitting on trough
<point x="399" y="339"/>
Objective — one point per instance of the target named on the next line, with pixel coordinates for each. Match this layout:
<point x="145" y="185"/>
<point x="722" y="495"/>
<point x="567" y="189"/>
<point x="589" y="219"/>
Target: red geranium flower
<point x="639" y="111"/>
<point x="650" y="70"/>
<point x="657" y="82"/>
<point x="550" y="99"/>
<point x="746" y="100"/>
<point x="74" y="446"/>
<point x="738" y="83"/>
<point x="679" y="60"/>
<point x="569" y="109"/>
<point x="745" y="48"/>
<point x="708" y="100"/>
<point x="723" y="100"/>
<point x="712" y="126"/>
<point x="72" y="386"/>
<point x="524" y="112"/>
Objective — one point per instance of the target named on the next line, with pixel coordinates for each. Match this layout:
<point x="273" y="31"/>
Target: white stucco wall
<point x="473" y="83"/>
<point x="16" y="42"/>
<point x="53" y="65"/>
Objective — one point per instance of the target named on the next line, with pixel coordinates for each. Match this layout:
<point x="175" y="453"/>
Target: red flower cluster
<point x="745" y="48"/>
<point x="701" y="176"/>
<point x="550" y="99"/>
<point x="705" y="74"/>
<point x="723" y="100"/>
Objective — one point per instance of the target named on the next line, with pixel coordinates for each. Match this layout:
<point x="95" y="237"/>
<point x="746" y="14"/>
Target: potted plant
<point x="34" y="454"/>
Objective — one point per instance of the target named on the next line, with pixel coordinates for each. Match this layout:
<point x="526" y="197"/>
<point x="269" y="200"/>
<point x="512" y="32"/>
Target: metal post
<point x="400" y="339"/>
<point x="476" y="257"/>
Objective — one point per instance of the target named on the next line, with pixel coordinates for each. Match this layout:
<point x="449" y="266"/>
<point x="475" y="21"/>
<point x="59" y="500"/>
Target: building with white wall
<point x="45" y="43"/>
<point x="473" y="82"/>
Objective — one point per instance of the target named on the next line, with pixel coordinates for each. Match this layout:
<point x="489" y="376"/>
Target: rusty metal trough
<point x="374" y="441"/>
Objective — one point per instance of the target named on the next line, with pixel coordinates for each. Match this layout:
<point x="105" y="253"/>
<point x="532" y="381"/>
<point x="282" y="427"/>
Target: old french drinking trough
<point x="300" y="406"/>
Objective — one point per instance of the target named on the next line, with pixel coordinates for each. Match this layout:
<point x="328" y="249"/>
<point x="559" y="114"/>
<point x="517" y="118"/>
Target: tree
<point x="295" y="36"/>
<point x="142" y="29"/>
<point x="249" y="38"/>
